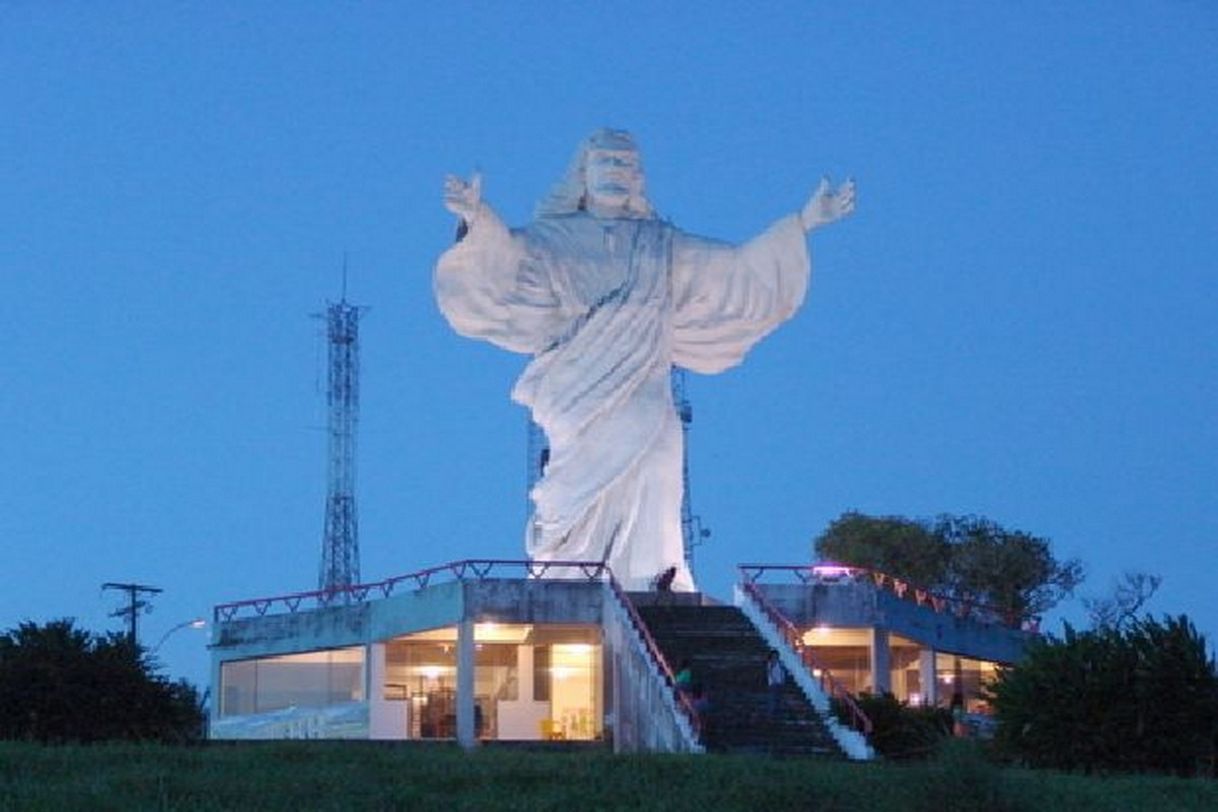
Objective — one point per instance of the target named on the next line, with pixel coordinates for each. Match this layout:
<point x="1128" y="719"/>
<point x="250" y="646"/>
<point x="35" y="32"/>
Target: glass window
<point x="904" y="656"/>
<point x="240" y="686"/>
<point x="311" y="679"/>
<point x="567" y="681"/>
<point x="541" y="673"/>
<point x="422" y="668"/>
<point x="845" y="653"/>
<point x="531" y="681"/>
<point x="575" y="689"/>
<point x="495" y="681"/>
<point x="966" y="676"/>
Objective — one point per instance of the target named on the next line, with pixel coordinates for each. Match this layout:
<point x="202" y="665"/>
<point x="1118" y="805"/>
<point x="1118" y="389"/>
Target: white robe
<point x="607" y="307"/>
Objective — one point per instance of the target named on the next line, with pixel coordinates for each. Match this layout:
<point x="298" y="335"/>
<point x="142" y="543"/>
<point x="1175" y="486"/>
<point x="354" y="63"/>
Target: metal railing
<point x="858" y="719"/>
<point x="944" y="604"/>
<point x="466" y="570"/>
<point x="653" y="650"/>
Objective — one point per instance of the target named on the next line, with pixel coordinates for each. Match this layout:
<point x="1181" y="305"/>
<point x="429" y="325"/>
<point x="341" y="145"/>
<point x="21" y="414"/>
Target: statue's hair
<point x="570" y="194"/>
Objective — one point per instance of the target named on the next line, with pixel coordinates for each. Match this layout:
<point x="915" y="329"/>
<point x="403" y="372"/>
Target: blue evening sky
<point x="1020" y="320"/>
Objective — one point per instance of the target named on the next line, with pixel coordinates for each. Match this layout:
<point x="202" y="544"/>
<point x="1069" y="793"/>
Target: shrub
<point x="1142" y="698"/>
<point x="62" y="684"/>
<point x="900" y="731"/>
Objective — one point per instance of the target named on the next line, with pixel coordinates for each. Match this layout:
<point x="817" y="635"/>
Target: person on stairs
<point x="775" y="678"/>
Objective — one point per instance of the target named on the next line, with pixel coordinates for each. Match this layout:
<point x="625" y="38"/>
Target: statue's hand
<point x="463" y="198"/>
<point x="826" y="205"/>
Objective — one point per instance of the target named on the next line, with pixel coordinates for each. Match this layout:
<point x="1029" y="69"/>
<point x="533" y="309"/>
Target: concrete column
<point x="881" y="661"/>
<point x="609" y="702"/>
<point x="524" y="673"/>
<point x="465" y="685"/>
<point x="386" y="719"/>
<point x="216" y="697"/>
<point x="374" y="672"/>
<point x="926" y="676"/>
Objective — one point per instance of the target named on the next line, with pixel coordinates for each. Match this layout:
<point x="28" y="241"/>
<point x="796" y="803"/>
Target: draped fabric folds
<point x="606" y="307"/>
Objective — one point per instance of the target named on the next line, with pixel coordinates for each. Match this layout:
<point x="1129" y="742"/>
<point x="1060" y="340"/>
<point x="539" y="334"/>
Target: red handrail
<point x="467" y="569"/>
<point x="961" y="607"/>
<point x="653" y="649"/>
<point x="860" y="720"/>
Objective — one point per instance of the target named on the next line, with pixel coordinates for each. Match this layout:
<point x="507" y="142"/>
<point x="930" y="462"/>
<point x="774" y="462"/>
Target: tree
<point x="900" y="547"/>
<point x="967" y="557"/>
<point x="1120" y="608"/>
<point x="1141" y="698"/>
<point x="59" y="683"/>
<point x="1008" y="569"/>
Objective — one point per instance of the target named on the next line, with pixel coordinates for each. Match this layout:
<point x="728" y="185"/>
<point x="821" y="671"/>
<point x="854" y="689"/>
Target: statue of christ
<point x="606" y="297"/>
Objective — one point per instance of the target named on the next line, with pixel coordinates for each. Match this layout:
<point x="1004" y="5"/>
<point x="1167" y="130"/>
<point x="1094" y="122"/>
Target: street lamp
<point x="194" y="623"/>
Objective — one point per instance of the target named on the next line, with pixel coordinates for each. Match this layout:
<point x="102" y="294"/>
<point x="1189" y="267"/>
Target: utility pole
<point x="134" y="604"/>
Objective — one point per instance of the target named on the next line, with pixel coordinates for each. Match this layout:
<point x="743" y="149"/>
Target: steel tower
<point x="340" y="542"/>
<point x="692" y="531"/>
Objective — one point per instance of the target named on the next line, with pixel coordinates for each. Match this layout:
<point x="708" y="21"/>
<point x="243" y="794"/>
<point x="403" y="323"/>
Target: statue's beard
<point x="609" y="200"/>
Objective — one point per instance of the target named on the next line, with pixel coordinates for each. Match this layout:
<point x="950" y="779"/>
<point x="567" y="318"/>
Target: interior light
<point x="578" y="648"/>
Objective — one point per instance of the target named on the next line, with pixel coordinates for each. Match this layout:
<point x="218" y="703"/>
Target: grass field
<point x="358" y="776"/>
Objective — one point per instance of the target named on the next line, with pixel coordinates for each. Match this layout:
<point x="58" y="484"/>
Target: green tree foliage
<point x="1010" y="569"/>
<point x="901" y="547"/>
<point x="1141" y="698"/>
<point x="966" y="557"/>
<point x="59" y="683"/>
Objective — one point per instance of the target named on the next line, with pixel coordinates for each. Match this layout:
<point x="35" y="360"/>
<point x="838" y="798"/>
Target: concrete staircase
<point x="727" y="656"/>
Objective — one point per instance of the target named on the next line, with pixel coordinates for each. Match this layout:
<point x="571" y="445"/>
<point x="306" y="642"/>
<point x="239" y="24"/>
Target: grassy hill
<point x="368" y="775"/>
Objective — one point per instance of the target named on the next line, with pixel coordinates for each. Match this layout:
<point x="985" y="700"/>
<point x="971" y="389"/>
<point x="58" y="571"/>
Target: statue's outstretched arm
<point x="827" y="205"/>
<point x="464" y="199"/>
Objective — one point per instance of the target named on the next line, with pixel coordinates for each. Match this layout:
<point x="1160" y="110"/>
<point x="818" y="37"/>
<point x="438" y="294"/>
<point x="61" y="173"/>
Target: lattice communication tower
<point x="693" y="533"/>
<point x="340" y="541"/>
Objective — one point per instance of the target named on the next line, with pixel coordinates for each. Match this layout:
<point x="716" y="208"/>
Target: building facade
<point x="505" y="651"/>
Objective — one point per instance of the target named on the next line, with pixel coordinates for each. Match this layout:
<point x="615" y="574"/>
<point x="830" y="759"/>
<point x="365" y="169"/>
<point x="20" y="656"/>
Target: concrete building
<point x="875" y="634"/>
<point x="519" y="651"/>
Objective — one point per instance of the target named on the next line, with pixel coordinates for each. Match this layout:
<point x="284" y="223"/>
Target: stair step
<point x="727" y="656"/>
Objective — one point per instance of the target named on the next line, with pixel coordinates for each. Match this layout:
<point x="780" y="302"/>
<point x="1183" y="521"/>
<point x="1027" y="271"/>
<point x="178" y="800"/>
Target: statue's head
<point x="605" y="177"/>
